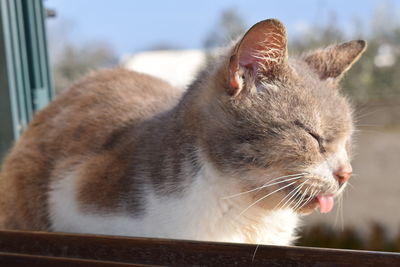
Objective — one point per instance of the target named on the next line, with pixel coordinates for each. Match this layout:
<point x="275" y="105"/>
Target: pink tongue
<point x="325" y="203"/>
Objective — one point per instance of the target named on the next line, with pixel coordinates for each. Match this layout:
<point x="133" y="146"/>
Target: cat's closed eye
<point x="317" y="137"/>
<point x="319" y="140"/>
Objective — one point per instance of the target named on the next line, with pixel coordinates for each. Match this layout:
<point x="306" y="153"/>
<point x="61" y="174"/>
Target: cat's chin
<point x="309" y="208"/>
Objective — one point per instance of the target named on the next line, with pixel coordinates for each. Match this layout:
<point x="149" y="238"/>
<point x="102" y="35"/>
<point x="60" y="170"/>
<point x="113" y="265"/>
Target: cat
<point x="255" y="142"/>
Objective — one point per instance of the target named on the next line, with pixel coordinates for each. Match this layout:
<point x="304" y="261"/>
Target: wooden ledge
<point x="19" y="248"/>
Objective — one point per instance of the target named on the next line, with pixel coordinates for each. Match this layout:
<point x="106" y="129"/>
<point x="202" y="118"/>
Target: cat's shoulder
<point x="125" y="85"/>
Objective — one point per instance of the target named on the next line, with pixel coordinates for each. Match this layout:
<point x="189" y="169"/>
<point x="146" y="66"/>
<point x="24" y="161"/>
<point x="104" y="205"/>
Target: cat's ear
<point x="262" y="49"/>
<point x="333" y="62"/>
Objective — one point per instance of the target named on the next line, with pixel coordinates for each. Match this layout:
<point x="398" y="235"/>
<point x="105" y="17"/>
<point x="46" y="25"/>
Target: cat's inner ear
<point x="262" y="50"/>
<point x="333" y="62"/>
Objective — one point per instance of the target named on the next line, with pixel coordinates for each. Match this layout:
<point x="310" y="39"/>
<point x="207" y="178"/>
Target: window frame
<point x="25" y="81"/>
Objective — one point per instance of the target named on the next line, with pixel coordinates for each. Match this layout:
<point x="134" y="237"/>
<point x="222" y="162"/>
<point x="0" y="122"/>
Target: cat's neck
<point x="178" y="132"/>
<point x="164" y="150"/>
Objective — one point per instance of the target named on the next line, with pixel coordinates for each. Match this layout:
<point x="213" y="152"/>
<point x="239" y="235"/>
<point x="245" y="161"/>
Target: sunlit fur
<point x="237" y="157"/>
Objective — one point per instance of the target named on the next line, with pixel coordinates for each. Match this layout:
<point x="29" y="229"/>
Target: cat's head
<point x="280" y="125"/>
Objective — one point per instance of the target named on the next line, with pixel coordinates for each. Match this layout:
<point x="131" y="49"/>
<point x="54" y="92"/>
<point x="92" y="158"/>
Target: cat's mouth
<point x="315" y="195"/>
<point x="305" y="196"/>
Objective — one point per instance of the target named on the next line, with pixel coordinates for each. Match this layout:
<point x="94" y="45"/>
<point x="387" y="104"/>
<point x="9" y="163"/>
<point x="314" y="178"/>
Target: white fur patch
<point x="201" y="213"/>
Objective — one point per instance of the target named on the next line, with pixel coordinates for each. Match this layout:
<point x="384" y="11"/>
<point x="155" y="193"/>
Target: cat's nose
<point x="343" y="173"/>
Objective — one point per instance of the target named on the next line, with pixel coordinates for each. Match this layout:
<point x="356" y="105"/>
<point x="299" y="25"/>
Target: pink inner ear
<point x="248" y="54"/>
<point x="264" y="44"/>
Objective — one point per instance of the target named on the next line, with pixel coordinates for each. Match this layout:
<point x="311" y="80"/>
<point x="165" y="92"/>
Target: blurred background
<point x="174" y="39"/>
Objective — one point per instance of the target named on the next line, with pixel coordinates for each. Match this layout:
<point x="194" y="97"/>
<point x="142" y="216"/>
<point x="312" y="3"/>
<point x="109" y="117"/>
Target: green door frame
<point x="25" y="83"/>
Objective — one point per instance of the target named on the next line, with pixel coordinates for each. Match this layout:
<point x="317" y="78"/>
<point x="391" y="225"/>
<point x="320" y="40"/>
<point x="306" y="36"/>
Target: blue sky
<point x="130" y="25"/>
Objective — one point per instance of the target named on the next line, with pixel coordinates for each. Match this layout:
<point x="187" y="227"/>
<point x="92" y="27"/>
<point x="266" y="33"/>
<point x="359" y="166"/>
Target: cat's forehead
<point x="303" y="96"/>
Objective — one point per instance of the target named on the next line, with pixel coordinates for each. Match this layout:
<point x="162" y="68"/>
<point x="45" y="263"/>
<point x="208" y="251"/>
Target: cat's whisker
<point x="310" y="197"/>
<point x="300" y="201"/>
<point x="295" y="195"/>
<point x="341" y="210"/>
<point x="268" y="184"/>
<point x="297" y="189"/>
<point x="337" y="213"/>
<point x="367" y="125"/>
<point x="254" y="254"/>
<point x="352" y="186"/>
<point x="290" y="193"/>
<point x="261" y="187"/>
<point x="360" y="130"/>
<point x="264" y="197"/>
<point x="364" y="112"/>
<point x="290" y="175"/>
<point x="282" y="177"/>
<point x="304" y="200"/>
<point x="314" y="194"/>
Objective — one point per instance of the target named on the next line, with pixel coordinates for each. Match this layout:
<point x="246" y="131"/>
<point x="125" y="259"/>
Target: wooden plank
<point x="183" y="253"/>
<point x="16" y="260"/>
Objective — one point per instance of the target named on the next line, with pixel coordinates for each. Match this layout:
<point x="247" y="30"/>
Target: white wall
<point x="177" y="67"/>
